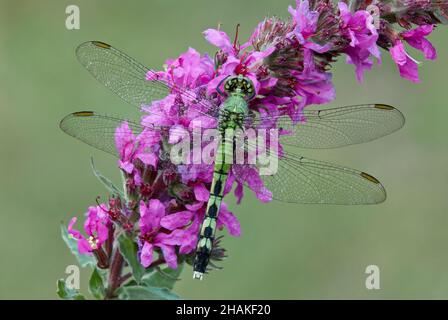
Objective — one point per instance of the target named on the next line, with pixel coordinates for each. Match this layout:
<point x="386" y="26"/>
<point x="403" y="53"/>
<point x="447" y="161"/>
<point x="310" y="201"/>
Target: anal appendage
<point x="197" y="275"/>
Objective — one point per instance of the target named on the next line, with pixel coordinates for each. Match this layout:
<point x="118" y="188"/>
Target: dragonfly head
<point x="239" y="85"/>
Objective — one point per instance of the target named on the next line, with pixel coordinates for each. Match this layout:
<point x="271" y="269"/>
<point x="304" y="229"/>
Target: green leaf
<point x="131" y="283"/>
<point x="146" y="293"/>
<point x="129" y="249"/>
<point x="83" y="259"/>
<point x="165" y="278"/>
<point x="96" y="286"/>
<point x="106" y="182"/>
<point x="67" y="293"/>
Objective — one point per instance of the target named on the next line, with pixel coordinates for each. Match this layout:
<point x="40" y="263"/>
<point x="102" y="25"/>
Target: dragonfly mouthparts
<point x="197" y="275"/>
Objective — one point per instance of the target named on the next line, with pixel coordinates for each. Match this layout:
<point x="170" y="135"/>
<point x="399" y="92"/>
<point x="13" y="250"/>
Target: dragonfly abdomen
<point x="208" y="228"/>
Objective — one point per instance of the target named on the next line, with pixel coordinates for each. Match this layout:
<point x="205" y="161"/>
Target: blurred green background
<point x="285" y="251"/>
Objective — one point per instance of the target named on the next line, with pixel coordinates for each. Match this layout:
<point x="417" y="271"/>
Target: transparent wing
<point x="307" y="181"/>
<point x="128" y="78"/>
<point x="100" y="131"/>
<point x="96" y="130"/>
<point x="337" y="127"/>
<point x="298" y="179"/>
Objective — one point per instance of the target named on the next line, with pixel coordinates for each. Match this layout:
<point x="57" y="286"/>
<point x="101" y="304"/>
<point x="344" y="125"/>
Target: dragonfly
<point x="298" y="179"/>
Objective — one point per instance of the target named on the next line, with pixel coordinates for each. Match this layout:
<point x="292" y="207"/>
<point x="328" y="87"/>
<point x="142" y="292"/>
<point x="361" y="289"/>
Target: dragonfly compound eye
<point x="240" y="85"/>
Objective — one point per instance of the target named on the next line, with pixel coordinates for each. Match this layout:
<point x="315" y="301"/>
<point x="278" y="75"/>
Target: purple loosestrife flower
<point x="305" y="21"/>
<point x="416" y="38"/>
<point x="408" y="66"/>
<point x="190" y="70"/>
<point x="131" y="148"/>
<point x="96" y="227"/>
<point x="359" y="28"/>
<point x="187" y="237"/>
<point x="155" y="232"/>
<point x="311" y="85"/>
<point x="237" y="61"/>
<point x="166" y="231"/>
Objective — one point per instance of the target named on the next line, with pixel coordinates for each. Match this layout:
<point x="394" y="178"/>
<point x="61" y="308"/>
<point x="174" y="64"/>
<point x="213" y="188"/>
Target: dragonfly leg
<point x="218" y="87"/>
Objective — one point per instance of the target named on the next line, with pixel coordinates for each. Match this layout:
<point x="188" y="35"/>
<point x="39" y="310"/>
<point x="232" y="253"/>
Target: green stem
<point x="125" y="189"/>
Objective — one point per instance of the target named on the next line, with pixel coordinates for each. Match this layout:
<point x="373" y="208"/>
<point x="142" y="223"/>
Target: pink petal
<point x="189" y="237"/>
<point x="257" y="57"/>
<point x="123" y="136"/>
<point x="239" y="193"/>
<point x="170" y="255"/>
<point x="156" y="208"/>
<point x="150" y="215"/>
<point x="317" y="47"/>
<point x="148" y="137"/>
<point x="177" y="134"/>
<point x="84" y="246"/>
<point x="416" y="39"/>
<point x="212" y="85"/>
<point x="219" y="39"/>
<point x="127" y="166"/>
<point x="146" y="255"/>
<point x="156" y="119"/>
<point x="201" y="193"/>
<point x="90" y="224"/>
<point x="229" y="220"/>
<point x="407" y="67"/>
<point x="102" y="233"/>
<point x="149" y="159"/>
<point x="74" y="233"/>
<point x="176" y="220"/>
<point x="204" y="122"/>
<point x="194" y="206"/>
<point x="398" y="53"/>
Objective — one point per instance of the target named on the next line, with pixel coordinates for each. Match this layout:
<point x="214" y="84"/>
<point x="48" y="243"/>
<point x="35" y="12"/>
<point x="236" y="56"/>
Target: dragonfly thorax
<point x="233" y="112"/>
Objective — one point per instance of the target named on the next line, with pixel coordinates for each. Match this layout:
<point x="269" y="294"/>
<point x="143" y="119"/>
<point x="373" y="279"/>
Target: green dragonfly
<point x="297" y="180"/>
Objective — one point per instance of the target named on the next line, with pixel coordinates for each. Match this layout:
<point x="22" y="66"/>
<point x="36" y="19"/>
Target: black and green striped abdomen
<point x="232" y="114"/>
<point x="208" y="227"/>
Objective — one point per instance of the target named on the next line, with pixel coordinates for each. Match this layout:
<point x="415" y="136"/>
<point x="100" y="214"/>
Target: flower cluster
<point x="289" y="63"/>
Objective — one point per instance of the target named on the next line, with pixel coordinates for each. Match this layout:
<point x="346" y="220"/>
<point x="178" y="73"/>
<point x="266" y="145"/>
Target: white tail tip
<point x="197" y="275"/>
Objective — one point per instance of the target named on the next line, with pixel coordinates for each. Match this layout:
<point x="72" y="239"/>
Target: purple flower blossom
<point x="305" y="21"/>
<point x="246" y="63"/>
<point x="407" y="65"/>
<point x="154" y="232"/>
<point x="313" y="86"/>
<point x="160" y="229"/>
<point x="131" y="148"/>
<point x="416" y="38"/>
<point x="359" y="28"/>
<point x="221" y="40"/>
<point x="190" y="70"/>
<point x="96" y="228"/>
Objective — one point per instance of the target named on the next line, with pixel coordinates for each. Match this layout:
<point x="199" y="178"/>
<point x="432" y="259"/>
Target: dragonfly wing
<point x="338" y="127"/>
<point x="307" y="181"/>
<point x="120" y="73"/>
<point x="127" y="78"/>
<point x="96" y="130"/>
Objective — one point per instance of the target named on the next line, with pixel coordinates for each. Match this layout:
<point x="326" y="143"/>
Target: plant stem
<point x="114" y="274"/>
<point x="124" y="278"/>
